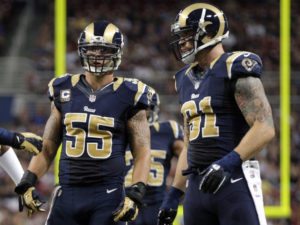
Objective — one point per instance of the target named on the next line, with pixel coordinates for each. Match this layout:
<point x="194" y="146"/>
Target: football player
<point x="166" y="142"/>
<point x="95" y="115"/>
<point x="227" y="119"/>
<point x="20" y="141"/>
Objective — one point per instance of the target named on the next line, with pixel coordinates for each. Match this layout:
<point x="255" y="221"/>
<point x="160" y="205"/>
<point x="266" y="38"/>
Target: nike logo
<point x="108" y="191"/>
<point x="235" y="180"/>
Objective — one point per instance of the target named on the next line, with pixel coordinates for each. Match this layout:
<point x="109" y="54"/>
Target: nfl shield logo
<point x="92" y="98"/>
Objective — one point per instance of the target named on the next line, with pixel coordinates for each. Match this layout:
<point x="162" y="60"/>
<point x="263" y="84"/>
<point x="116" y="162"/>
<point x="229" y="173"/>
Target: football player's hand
<point x="28" y="197"/>
<point x="32" y="201"/>
<point x="128" y="209"/>
<point x="213" y="178"/>
<point x="166" y="216"/>
<point x="29" y="142"/>
<point x="168" y="209"/>
<point x="218" y="172"/>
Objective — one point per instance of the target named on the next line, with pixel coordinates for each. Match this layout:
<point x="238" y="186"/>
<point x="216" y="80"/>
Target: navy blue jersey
<point x="163" y="136"/>
<point x="215" y="122"/>
<point x="94" y="136"/>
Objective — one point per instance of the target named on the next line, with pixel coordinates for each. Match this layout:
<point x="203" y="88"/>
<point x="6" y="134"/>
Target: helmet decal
<point x="110" y="32"/>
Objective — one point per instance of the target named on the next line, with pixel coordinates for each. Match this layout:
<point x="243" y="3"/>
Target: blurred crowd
<point x="254" y="26"/>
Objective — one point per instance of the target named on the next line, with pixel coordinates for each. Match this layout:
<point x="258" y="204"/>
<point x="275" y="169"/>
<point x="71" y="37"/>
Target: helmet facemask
<point x="180" y="38"/>
<point x="99" y="59"/>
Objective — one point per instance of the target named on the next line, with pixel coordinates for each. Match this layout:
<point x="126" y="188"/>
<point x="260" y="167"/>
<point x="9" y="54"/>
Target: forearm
<point x="40" y="164"/>
<point x="253" y="103"/>
<point x="139" y="139"/>
<point x="169" y="206"/>
<point x="141" y="167"/>
<point x="180" y="180"/>
<point x="255" y="140"/>
<point x="51" y="141"/>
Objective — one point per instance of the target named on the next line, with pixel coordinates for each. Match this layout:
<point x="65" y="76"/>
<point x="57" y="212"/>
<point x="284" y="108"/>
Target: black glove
<point x="219" y="172"/>
<point x="128" y="209"/>
<point x="168" y="209"/>
<point x="28" y="197"/>
<point x="213" y="178"/>
<point x="28" y="142"/>
<point x="166" y="216"/>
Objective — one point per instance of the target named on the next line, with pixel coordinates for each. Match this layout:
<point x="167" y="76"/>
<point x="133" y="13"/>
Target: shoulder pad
<point x="118" y="81"/>
<point x="156" y="126"/>
<point x="142" y="92"/>
<point x="59" y="82"/>
<point x="243" y="64"/>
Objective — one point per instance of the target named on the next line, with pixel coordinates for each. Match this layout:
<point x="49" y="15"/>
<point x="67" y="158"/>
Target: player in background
<point x="166" y="143"/>
<point x="95" y="115"/>
<point x="227" y="120"/>
<point x="20" y="141"/>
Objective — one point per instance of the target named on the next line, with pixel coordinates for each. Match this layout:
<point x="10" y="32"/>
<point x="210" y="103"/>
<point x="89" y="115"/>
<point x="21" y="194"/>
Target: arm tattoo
<point x="138" y="130"/>
<point x="252" y="101"/>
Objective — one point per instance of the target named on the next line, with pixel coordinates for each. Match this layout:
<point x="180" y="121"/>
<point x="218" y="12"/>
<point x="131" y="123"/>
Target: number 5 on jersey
<point x="156" y="175"/>
<point x="76" y="148"/>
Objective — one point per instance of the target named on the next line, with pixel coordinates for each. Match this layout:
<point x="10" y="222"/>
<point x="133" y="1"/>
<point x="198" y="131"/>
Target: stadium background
<point x="27" y="64"/>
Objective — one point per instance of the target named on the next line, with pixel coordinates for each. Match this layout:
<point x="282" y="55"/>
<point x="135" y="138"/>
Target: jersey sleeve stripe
<point x="140" y="91"/>
<point x="156" y="126"/>
<point x="230" y="60"/>
<point x="214" y="62"/>
<point x="175" y="83"/>
<point x="51" y="89"/>
<point x="174" y="128"/>
<point x="74" y="79"/>
<point x="118" y="82"/>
